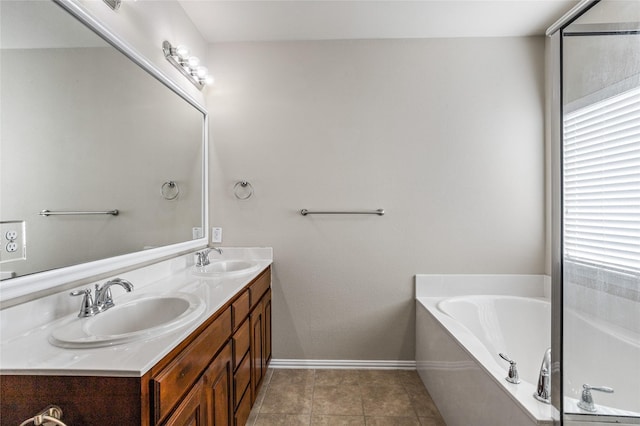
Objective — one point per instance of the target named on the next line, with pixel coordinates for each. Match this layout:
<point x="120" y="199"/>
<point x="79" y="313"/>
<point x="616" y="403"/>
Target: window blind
<point x="601" y="175"/>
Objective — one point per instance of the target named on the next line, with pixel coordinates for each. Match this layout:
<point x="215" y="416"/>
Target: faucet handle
<point x="87" y="309"/>
<point x="606" y="389"/>
<point x="512" y="375"/>
<point x="586" y="401"/>
<point x="203" y="256"/>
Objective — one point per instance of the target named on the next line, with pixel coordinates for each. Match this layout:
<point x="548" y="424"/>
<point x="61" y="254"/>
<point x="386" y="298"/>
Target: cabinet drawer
<point x="241" y="341"/>
<point x="240" y="309"/>
<point x="243" y="411"/>
<point x="260" y="287"/>
<point x="241" y="379"/>
<point x="178" y="377"/>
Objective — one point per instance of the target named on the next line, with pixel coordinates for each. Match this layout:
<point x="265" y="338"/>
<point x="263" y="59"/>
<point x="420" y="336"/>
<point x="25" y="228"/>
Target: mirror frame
<point x="27" y="287"/>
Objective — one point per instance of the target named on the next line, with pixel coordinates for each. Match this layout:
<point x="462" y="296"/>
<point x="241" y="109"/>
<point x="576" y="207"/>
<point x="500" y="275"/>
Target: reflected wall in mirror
<point x="83" y="128"/>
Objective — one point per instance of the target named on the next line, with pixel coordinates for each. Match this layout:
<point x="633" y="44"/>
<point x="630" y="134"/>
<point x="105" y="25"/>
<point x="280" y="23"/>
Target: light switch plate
<point x="216" y="235"/>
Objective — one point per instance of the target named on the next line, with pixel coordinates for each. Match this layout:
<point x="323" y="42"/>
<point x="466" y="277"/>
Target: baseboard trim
<point x="342" y="364"/>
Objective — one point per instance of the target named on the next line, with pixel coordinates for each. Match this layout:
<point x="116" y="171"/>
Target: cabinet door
<point x="191" y="410"/>
<point x="218" y="379"/>
<point x="266" y="303"/>
<point x="257" y="352"/>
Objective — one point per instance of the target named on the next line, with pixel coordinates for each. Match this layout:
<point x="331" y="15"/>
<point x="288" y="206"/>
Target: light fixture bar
<point x="189" y="66"/>
<point x="113" y="4"/>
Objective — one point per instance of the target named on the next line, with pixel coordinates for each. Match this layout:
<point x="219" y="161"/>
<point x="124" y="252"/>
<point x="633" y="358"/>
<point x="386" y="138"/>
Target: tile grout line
<point x="364" y="417"/>
<point x="404" y="384"/>
<point x="313" y="395"/>
<point x="263" y="391"/>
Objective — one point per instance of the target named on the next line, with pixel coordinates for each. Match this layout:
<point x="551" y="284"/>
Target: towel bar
<point x="379" y="212"/>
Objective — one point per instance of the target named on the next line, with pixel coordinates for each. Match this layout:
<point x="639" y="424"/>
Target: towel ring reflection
<point x="51" y="414"/>
<point x="170" y="190"/>
<point x="243" y="190"/>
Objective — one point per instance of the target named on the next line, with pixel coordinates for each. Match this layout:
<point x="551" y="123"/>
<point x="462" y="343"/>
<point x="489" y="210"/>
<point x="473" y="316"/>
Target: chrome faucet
<point x="103" y="300"/>
<point x="203" y="256"/>
<point x="512" y="375"/>
<point x="543" y="391"/>
<point x="586" y="401"/>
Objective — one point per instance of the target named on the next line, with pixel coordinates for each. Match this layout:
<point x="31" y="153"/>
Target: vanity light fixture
<point x="113" y="4"/>
<point x="188" y="65"/>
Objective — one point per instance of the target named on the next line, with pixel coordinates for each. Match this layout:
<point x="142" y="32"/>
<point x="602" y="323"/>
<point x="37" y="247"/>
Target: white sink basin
<point x="226" y="268"/>
<point x="138" y="319"/>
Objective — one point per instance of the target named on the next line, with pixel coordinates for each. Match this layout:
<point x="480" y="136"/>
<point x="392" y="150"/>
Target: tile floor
<point x="344" y="397"/>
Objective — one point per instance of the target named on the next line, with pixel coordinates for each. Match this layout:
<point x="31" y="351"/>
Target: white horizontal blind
<point x="602" y="182"/>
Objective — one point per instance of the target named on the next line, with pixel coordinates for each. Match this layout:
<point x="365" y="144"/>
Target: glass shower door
<point x="601" y="214"/>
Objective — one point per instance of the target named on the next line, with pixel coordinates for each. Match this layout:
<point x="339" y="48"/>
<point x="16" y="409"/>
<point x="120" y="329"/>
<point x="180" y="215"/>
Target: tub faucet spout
<point x="543" y="391"/>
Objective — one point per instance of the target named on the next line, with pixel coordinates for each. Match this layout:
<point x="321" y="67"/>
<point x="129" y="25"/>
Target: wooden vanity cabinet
<point x="169" y="383"/>
<point x="260" y="320"/>
<point x="211" y="378"/>
<point x="225" y="391"/>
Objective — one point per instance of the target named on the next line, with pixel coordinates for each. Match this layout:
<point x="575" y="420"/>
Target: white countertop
<point x="25" y="349"/>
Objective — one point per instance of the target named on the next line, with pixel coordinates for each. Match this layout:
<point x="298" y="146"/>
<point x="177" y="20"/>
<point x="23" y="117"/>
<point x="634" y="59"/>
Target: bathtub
<point x="464" y="321"/>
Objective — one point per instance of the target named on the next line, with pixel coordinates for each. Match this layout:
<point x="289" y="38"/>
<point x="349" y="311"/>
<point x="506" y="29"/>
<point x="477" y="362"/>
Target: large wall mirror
<point x="84" y="131"/>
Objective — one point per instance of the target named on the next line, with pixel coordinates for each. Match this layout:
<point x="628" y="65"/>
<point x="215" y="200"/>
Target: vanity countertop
<point x="28" y="352"/>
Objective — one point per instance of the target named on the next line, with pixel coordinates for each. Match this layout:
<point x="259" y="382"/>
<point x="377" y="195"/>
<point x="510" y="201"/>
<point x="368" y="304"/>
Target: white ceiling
<point x="267" y="20"/>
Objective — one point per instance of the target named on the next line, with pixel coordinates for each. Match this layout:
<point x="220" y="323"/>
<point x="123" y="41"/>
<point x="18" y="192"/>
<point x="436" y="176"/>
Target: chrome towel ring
<point x="243" y="190"/>
<point x="170" y="190"/>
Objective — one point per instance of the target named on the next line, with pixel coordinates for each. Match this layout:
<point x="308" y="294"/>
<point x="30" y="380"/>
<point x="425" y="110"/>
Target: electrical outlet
<point x="13" y="246"/>
<point x="216" y="235"/>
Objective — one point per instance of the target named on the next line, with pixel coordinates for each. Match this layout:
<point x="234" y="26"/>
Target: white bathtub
<point x="458" y="338"/>
<point x="464" y="373"/>
<point x="516" y="326"/>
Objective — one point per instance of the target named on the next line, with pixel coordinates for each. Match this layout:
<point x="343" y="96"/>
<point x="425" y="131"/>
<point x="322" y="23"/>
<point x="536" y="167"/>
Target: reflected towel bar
<point x="379" y="212"/>
<point x="114" y="212"/>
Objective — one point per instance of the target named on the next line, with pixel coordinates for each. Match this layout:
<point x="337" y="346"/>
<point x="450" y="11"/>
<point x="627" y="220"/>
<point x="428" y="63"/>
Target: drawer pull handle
<point x="183" y="372"/>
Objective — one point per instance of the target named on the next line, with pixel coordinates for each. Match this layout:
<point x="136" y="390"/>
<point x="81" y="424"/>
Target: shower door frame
<point x="555" y="144"/>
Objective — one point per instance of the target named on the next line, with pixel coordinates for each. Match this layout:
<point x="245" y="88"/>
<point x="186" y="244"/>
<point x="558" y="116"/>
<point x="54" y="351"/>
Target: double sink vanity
<point x="187" y="345"/>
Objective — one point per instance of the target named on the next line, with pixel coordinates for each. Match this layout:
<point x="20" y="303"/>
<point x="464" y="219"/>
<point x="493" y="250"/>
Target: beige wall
<point x="445" y="134"/>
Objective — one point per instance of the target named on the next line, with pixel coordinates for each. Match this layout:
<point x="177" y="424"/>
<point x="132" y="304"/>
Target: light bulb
<point x="201" y="71"/>
<point x="193" y="62"/>
<point x="209" y="80"/>
<point x="182" y="51"/>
